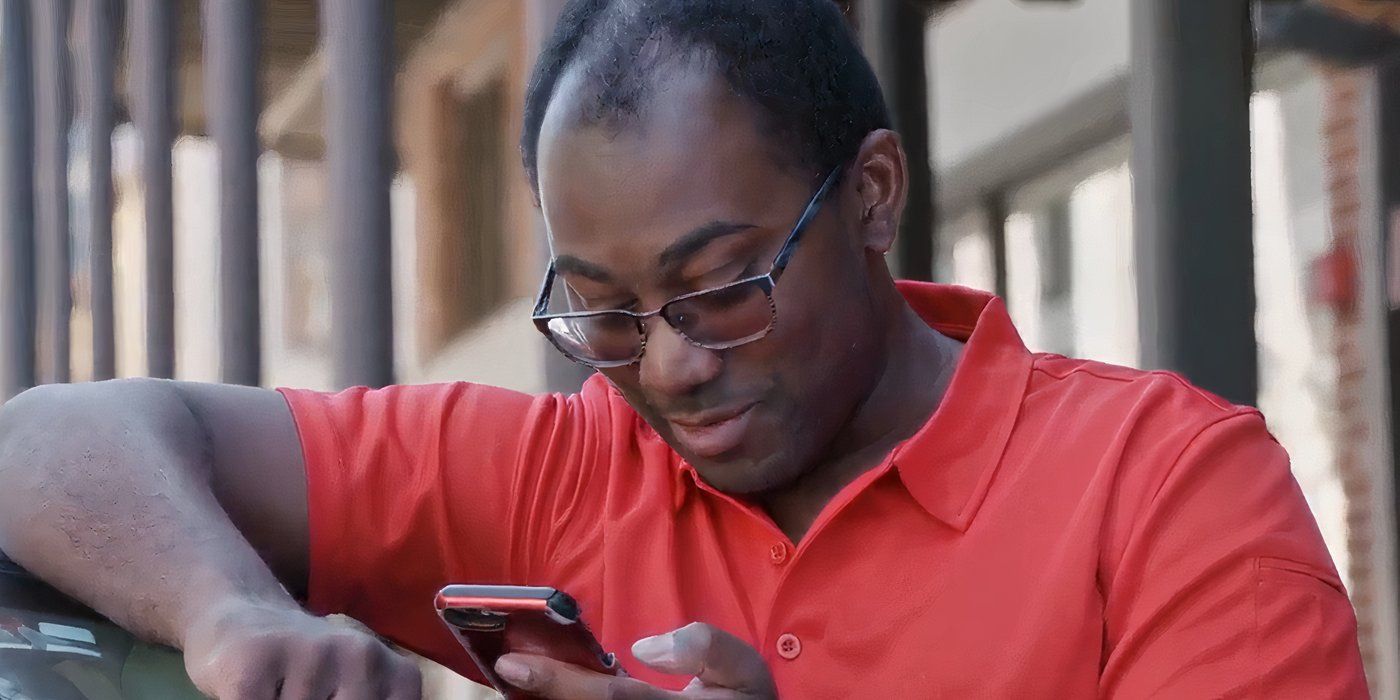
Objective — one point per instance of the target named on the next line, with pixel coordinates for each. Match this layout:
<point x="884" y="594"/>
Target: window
<point x="465" y="277"/>
<point x="968" y="254"/>
<point x="306" y="250"/>
<point x="1070" y="264"/>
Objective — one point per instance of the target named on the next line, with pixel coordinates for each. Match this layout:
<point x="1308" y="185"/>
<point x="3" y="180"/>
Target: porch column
<point x="53" y="115"/>
<point x="360" y="158"/>
<point x="231" y="54"/>
<point x="1189" y="107"/>
<point x="98" y="26"/>
<point x="895" y="37"/>
<point x="152" y="26"/>
<point x="17" y="303"/>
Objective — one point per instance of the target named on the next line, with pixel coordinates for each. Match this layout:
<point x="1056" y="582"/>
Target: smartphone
<point x="491" y="621"/>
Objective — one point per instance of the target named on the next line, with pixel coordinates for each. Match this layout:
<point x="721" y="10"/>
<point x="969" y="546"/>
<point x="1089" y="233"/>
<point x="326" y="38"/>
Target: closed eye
<point x="728" y="273"/>
<point x="598" y="300"/>
<point x="609" y="305"/>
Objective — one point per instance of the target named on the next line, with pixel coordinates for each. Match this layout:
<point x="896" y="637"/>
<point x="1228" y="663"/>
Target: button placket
<point x="789" y="646"/>
<point x="778" y="553"/>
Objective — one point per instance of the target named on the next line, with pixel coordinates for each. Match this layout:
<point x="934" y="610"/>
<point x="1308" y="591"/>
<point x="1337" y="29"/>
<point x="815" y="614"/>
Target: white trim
<point x="69" y="632"/>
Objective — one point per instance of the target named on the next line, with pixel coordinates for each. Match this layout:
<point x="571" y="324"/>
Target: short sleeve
<point x="1225" y="587"/>
<point x="411" y="488"/>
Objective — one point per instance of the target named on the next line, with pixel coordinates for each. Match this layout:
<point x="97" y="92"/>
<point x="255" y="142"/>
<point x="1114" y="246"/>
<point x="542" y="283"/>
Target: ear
<point x="881" y="190"/>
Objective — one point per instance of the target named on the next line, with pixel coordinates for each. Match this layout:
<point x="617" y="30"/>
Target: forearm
<point x="106" y="495"/>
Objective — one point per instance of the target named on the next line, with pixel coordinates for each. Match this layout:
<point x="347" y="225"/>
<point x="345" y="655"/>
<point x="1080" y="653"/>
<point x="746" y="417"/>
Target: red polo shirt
<point x="1058" y="528"/>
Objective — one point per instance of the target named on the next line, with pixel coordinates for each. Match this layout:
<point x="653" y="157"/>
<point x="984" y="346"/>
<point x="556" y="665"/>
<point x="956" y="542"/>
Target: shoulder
<point x="1096" y="398"/>
<point x="408" y="405"/>
<point x="1117" y="434"/>
<point x="1065" y="377"/>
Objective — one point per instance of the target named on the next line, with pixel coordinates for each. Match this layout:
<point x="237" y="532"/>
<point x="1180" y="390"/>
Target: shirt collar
<point x="948" y="465"/>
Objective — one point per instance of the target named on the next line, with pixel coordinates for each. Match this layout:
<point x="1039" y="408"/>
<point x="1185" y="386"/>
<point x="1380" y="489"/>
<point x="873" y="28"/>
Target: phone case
<point x="490" y="621"/>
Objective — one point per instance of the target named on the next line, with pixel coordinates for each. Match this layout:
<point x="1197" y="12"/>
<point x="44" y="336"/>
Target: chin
<point x="745" y="476"/>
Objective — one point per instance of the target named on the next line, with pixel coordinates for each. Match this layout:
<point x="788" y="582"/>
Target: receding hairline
<point x="568" y="108"/>
<point x="797" y="62"/>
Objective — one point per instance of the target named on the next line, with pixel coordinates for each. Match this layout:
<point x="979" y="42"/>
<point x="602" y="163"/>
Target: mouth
<point x="713" y="433"/>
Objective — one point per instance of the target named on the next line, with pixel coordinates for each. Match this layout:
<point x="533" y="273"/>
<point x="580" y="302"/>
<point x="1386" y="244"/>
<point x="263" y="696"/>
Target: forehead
<point x="694" y="155"/>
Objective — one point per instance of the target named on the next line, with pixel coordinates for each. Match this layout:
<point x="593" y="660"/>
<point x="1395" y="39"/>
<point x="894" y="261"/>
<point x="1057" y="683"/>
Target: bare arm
<point x="176" y="509"/>
<point x="125" y="494"/>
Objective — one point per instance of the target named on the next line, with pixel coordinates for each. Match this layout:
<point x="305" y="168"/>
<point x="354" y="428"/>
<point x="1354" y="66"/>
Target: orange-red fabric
<point x="1059" y="528"/>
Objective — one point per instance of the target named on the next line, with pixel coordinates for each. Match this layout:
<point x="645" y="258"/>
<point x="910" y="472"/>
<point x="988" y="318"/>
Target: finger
<point x="256" y="676"/>
<point x="307" y="684"/>
<point x="549" y="678"/>
<point x="717" y="658"/>
<point x="307" y="677"/>
<point x="359" y="670"/>
<point x="250" y="687"/>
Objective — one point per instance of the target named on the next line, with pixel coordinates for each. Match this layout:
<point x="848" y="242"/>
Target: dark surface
<point x="53" y="648"/>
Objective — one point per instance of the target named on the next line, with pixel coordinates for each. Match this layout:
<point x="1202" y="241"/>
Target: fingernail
<point x="513" y="671"/>
<point x="660" y="649"/>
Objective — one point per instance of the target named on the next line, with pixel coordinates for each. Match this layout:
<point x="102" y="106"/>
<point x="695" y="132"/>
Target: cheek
<point x="627" y="380"/>
<point x="818" y="328"/>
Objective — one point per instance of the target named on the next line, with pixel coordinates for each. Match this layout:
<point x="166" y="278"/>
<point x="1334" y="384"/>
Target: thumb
<point x="715" y="657"/>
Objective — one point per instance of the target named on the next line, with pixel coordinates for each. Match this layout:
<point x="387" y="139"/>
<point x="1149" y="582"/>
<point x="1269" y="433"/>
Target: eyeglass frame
<point x="767" y="282"/>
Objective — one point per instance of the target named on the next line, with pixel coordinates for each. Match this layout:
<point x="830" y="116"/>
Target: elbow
<point x="37" y="425"/>
<point x="28" y="413"/>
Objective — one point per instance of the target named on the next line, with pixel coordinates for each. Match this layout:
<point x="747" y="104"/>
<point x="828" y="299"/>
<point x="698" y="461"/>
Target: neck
<point x="907" y="388"/>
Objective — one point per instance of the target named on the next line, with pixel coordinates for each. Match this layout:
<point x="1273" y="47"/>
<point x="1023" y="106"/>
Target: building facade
<point x="1033" y="152"/>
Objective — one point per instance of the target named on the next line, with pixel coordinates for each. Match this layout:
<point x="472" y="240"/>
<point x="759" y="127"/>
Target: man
<point x="854" y="488"/>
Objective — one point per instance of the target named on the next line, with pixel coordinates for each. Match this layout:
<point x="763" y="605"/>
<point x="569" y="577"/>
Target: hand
<point x="250" y="651"/>
<point x="724" y="667"/>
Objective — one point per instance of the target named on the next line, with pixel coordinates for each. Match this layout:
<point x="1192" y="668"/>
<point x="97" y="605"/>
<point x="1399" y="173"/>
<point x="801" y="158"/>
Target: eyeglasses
<point x="718" y="318"/>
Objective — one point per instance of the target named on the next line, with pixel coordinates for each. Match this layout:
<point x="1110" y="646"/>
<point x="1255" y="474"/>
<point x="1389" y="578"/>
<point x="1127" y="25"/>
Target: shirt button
<point x="789" y="646"/>
<point x="778" y="553"/>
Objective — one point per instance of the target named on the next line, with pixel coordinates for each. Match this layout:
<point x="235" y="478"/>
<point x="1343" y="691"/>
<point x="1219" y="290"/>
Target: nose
<point x="674" y="366"/>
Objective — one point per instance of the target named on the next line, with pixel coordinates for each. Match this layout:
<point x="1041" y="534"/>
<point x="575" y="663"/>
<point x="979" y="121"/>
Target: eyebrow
<point x="689" y="244"/>
<point x="568" y="264"/>
<point x="695" y="241"/>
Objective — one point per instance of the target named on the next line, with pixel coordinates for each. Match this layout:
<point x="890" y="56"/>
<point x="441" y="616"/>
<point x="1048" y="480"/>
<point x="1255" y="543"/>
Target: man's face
<point x="695" y="196"/>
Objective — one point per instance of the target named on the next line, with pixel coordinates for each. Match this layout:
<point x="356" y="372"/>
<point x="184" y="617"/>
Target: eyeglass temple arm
<point x="542" y="304"/>
<point x="780" y="263"/>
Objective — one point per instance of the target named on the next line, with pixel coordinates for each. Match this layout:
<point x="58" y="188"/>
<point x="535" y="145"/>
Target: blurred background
<point x="323" y="194"/>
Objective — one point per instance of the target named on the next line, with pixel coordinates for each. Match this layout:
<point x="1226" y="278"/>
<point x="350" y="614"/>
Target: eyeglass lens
<point x="717" y="319"/>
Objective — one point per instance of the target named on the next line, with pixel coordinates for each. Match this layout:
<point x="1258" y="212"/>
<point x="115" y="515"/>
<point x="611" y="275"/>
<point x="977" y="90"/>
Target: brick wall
<point x="1354" y="425"/>
<point x="1357" y="423"/>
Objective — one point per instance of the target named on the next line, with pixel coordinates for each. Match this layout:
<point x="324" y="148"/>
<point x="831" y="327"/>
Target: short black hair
<point x="797" y="61"/>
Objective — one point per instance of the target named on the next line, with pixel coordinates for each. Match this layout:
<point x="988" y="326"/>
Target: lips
<point x="713" y="433"/>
